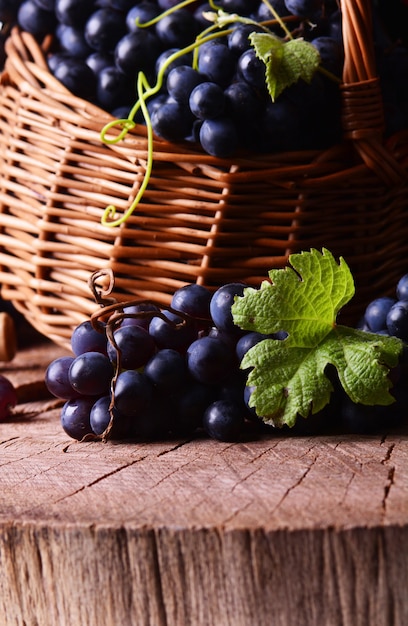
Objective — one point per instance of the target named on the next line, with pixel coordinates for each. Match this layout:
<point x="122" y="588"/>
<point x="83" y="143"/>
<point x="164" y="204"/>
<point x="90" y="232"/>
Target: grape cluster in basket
<point x="145" y="372"/>
<point x="219" y="100"/>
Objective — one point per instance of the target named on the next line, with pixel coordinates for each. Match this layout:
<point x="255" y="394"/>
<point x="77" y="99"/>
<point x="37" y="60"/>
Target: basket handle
<point x="362" y="105"/>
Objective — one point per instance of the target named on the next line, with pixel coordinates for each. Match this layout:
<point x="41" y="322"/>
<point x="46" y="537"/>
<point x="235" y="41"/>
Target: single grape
<point x="172" y="332"/>
<point x="57" y="378"/>
<point x="177" y="29"/>
<point x="217" y="62"/>
<point x="75" y="417"/>
<point x="303" y="8"/>
<point x="190" y="405"/>
<point x="135" y="345"/>
<point x="97" y="61"/>
<point x="331" y="53"/>
<point x="100" y="417"/>
<point x="103" y="29"/>
<point x="8" y="397"/>
<point x="194" y="300"/>
<point x="207" y="101"/>
<point x="141" y="13"/>
<point x="113" y="88"/>
<point x="375" y="314"/>
<point x="210" y="360"/>
<point x="172" y="121"/>
<point x="224" y="420"/>
<point x="72" y="40"/>
<point x="397" y="320"/>
<point x="252" y="69"/>
<point x="181" y="81"/>
<point x="220" y="307"/>
<point x="139" y="314"/>
<point x="76" y="76"/>
<point x="219" y="137"/>
<point x="246" y="342"/>
<point x="133" y="393"/>
<point x="238" y="40"/>
<point x="73" y="12"/>
<point x="91" y="374"/>
<point x="85" y="338"/>
<point x="35" y="20"/>
<point x="167" y="370"/>
<point x="402" y="288"/>
<point x="137" y="51"/>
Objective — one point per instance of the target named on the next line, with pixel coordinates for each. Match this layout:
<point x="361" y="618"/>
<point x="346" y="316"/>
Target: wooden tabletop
<point x="278" y="531"/>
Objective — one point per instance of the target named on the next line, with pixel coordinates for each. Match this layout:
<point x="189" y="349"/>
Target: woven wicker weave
<point x="201" y="219"/>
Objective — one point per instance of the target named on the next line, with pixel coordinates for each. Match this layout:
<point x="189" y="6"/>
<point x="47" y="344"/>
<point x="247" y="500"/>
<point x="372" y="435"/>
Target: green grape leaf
<point x="285" y="61"/>
<point x="289" y="377"/>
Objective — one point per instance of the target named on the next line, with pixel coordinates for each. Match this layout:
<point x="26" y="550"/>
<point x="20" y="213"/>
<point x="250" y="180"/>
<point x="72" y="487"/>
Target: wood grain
<point x="280" y="531"/>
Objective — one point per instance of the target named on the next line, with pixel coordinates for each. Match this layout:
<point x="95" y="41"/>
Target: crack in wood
<point x="390" y="476"/>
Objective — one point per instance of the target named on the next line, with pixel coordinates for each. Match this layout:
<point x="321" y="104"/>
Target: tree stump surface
<point x="279" y="531"/>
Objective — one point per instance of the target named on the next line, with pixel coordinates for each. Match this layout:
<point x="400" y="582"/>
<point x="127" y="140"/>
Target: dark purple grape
<point x="172" y="121"/>
<point x="402" y="288"/>
<point x="207" y="101"/>
<point x="113" y="88"/>
<point x="135" y="344"/>
<point x="75" y="417"/>
<point x="181" y="81"/>
<point x="220" y="307"/>
<point x="91" y="374"/>
<point x="139" y="314"/>
<point x="397" y="320"/>
<point x="133" y="393"/>
<point x="190" y="406"/>
<point x="171" y="332"/>
<point x="142" y="13"/>
<point x="167" y="370"/>
<point x="72" y="41"/>
<point x="183" y="59"/>
<point x="238" y="40"/>
<point x="242" y="103"/>
<point x="8" y="397"/>
<point x="217" y="62"/>
<point x="35" y="20"/>
<point x="210" y="361"/>
<point x="137" y="52"/>
<point x="376" y="312"/>
<point x="47" y="5"/>
<point x="219" y="137"/>
<point x="76" y="76"/>
<point x="248" y="341"/>
<point x="331" y="54"/>
<point x="303" y="8"/>
<point x="97" y="61"/>
<point x="73" y="12"/>
<point x="57" y="378"/>
<point x="177" y="29"/>
<point x="240" y="7"/>
<point x="251" y="69"/>
<point x="100" y="417"/>
<point x="85" y="338"/>
<point x="103" y="29"/>
<point x="224" y="420"/>
<point x="194" y="300"/>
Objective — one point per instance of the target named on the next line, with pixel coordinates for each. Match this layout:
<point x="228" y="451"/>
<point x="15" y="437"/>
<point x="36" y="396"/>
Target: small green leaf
<point x="285" y="62"/>
<point x="290" y="376"/>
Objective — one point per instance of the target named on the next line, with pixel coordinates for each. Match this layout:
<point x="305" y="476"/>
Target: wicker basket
<point x="201" y="219"/>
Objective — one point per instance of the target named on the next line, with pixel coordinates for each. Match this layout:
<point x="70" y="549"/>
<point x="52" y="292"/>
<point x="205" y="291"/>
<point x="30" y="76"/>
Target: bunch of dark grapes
<point x="158" y="372"/>
<point x="385" y="315"/>
<point x="223" y="106"/>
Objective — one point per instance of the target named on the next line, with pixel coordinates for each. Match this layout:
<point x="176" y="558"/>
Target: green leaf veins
<point x="290" y="376"/>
